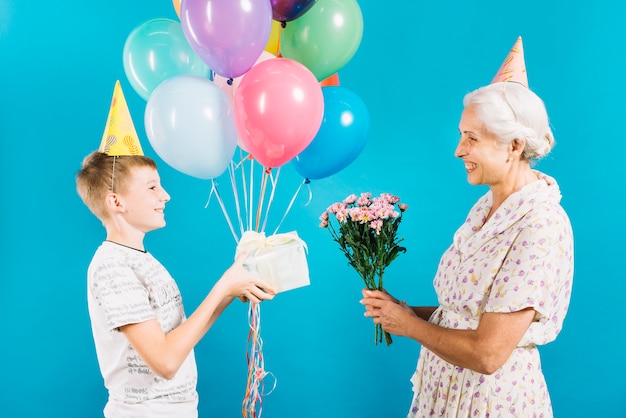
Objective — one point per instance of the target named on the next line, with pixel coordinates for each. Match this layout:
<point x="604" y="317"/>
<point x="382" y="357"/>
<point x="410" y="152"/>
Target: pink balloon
<point x="279" y="107"/>
<point x="230" y="89"/>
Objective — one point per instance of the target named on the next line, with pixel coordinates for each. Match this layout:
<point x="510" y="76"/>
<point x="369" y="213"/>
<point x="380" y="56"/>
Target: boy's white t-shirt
<point x="127" y="286"/>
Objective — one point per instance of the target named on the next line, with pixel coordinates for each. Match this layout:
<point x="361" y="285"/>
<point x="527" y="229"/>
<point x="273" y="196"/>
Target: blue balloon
<point x="190" y="125"/>
<point x="341" y="137"/>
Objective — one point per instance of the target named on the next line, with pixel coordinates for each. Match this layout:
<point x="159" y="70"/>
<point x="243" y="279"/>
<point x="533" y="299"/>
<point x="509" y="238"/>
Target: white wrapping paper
<point x="279" y="259"/>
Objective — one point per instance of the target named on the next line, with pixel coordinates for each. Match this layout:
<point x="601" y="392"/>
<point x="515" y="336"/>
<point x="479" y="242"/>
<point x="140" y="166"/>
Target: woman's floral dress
<point x="522" y="257"/>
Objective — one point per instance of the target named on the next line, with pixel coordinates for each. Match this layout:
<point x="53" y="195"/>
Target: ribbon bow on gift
<point x="279" y="259"/>
<point x="253" y="242"/>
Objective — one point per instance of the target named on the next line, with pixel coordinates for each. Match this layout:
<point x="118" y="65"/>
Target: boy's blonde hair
<point x="101" y="174"/>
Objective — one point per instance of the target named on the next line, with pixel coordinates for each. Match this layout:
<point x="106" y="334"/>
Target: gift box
<point x="279" y="259"/>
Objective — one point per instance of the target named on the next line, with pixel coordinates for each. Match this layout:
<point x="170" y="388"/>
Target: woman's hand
<point x="393" y="315"/>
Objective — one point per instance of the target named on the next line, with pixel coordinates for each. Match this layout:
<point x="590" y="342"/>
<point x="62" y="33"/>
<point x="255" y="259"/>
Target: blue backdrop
<point x="58" y="65"/>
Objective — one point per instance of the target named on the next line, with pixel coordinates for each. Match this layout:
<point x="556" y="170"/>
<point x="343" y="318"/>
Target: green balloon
<point x="325" y="38"/>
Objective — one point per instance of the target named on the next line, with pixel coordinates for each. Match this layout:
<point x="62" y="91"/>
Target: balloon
<point x="190" y="125"/>
<point x="229" y="89"/>
<point x="325" y="38"/>
<point x="333" y="80"/>
<point x="286" y="10"/>
<point x="157" y="50"/>
<point x="176" y="4"/>
<point x="228" y="35"/>
<point x="340" y="139"/>
<point x="274" y="39"/>
<point x="279" y="108"/>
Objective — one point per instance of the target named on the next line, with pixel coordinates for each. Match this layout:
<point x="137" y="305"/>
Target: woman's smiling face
<point x="485" y="157"/>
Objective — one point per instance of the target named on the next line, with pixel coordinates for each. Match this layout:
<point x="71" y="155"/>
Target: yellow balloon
<point x="274" y="41"/>
<point x="176" y="4"/>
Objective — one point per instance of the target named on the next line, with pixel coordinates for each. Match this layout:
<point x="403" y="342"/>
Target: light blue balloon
<point x="190" y="125"/>
<point x="340" y="139"/>
<point x="158" y="50"/>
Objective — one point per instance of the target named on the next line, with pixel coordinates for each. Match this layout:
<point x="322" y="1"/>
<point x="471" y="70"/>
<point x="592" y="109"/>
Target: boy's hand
<point x="239" y="282"/>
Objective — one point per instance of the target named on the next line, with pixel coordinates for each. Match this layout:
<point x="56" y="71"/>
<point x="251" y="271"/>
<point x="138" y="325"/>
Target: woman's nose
<point x="460" y="150"/>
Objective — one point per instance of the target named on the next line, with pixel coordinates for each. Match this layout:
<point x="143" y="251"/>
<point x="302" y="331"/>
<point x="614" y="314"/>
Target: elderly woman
<point x="504" y="284"/>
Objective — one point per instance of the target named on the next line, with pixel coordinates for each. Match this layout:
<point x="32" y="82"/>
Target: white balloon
<point x="190" y="124"/>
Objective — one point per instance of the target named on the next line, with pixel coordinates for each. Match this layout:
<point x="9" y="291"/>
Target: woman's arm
<point x="165" y="353"/>
<point x="424" y="312"/>
<point x="484" y="349"/>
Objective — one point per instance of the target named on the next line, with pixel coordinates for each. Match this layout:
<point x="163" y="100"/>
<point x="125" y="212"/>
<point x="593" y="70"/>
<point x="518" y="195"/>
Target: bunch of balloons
<point x="258" y="74"/>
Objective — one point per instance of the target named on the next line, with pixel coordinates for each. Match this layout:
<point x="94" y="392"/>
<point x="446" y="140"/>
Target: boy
<point x="143" y="340"/>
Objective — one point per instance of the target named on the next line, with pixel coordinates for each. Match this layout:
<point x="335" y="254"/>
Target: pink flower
<point x="324" y="223"/>
<point x="376" y="225"/>
<point x="364" y="200"/>
<point x="360" y="214"/>
<point x="342" y="215"/>
<point x="335" y="207"/>
<point x="389" y="198"/>
<point x="384" y="211"/>
<point x="350" y="199"/>
<point x="403" y="207"/>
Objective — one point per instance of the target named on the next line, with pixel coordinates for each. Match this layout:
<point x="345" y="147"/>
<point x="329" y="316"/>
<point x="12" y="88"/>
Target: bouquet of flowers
<point x="367" y="235"/>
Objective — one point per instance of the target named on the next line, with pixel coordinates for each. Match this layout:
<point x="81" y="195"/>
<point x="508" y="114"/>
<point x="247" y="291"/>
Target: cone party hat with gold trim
<point x="513" y="68"/>
<point x="120" y="137"/>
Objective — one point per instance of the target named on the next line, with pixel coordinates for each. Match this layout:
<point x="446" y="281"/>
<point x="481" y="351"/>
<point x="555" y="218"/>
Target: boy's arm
<point x="165" y="353"/>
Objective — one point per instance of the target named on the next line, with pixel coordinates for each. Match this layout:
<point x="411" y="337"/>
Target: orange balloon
<point x="273" y="42"/>
<point x="332" y="80"/>
<point x="176" y="4"/>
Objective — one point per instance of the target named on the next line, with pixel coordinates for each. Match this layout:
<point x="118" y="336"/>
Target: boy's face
<point x="144" y="200"/>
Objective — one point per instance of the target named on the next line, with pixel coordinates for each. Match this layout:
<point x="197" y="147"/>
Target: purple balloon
<point x="288" y="10"/>
<point x="228" y="35"/>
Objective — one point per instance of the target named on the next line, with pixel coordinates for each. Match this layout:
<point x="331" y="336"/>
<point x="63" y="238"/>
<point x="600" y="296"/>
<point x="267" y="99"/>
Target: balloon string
<point x="280" y="33"/>
<point x="244" y="187"/>
<point x="261" y="200"/>
<point x="308" y="185"/>
<point x="221" y="202"/>
<point x="241" y="166"/>
<point x="251" y="190"/>
<point x="293" y="199"/>
<point x="233" y="183"/>
<point x="253" y="400"/>
<point x="274" y="182"/>
<point x="242" y="160"/>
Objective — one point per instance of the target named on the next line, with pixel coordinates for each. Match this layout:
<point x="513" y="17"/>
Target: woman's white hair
<point x="511" y="111"/>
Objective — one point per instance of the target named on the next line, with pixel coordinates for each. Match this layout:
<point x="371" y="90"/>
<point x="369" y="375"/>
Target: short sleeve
<point x="120" y="294"/>
<point x="537" y="273"/>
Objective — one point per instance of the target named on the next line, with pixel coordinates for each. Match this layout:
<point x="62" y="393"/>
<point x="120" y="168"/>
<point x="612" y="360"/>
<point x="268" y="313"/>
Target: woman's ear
<point x="517" y="147"/>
